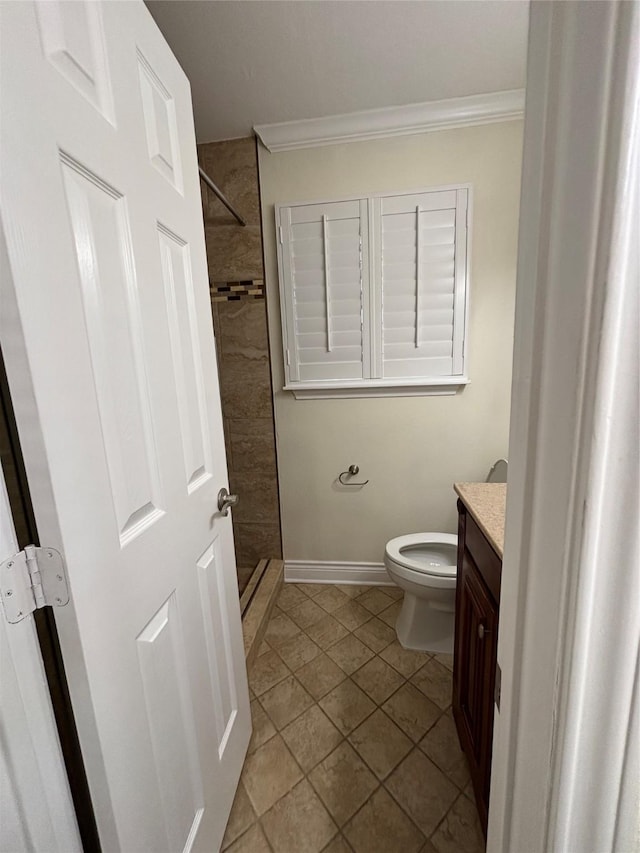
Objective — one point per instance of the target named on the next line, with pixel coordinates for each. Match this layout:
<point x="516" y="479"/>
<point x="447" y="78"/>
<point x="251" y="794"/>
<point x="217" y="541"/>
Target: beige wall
<point x="412" y="448"/>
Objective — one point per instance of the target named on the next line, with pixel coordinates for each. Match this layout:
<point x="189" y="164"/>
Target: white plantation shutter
<point x="423" y="239"/>
<point x="321" y="267"/>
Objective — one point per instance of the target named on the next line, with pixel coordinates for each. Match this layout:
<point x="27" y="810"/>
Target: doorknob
<point x="226" y="501"/>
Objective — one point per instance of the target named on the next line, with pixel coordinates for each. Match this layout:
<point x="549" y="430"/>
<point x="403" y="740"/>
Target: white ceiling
<point x="265" y="61"/>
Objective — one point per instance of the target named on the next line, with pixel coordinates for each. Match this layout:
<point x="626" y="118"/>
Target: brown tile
<point x="241" y="818"/>
<point x="326" y="632"/>
<point x="445" y="660"/>
<point x="381" y="743"/>
<point x="343" y="782"/>
<point x="422" y="790"/>
<point x="258" y="497"/>
<point x="350" y="654"/>
<point x="352" y="615"/>
<point x="406" y="661"/>
<point x="375" y="600"/>
<point x="285" y="701"/>
<point x="390" y="615"/>
<point x="253" y="542"/>
<point x="393" y="592"/>
<point x="263" y="728"/>
<point x="264" y="648"/>
<point x="338" y="845"/>
<point x="428" y="848"/>
<point x="347" y="706"/>
<point x="442" y="746"/>
<point x="320" y="676"/>
<point x="382" y="827"/>
<point x="299" y="822"/>
<point x="306" y="614"/>
<point x="331" y="599"/>
<point x="460" y="831"/>
<point x="269" y="773"/>
<point x="314" y="589"/>
<point x="412" y="711"/>
<point x="353" y="590"/>
<point x="280" y="629"/>
<point x="311" y="737"/>
<point x="435" y="682"/>
<point x="378" y="679"/>
<point x="375" y="634"/>
<point x="252" y="445"/>
<point x="243" y="330"/>
<point x="290" y="596"/>
<point x="253" y="841"/>
<point x="298" y="650"/>
<point x="245" y="387"/>
<point x="267" y="670"/>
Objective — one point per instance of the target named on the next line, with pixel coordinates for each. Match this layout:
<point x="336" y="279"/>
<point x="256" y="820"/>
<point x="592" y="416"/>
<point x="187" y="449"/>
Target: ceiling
<point x="264" y="61"/>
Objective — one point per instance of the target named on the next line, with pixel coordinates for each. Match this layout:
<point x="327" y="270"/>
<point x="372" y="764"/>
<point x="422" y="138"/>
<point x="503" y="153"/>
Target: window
<point x="374" y="294"/>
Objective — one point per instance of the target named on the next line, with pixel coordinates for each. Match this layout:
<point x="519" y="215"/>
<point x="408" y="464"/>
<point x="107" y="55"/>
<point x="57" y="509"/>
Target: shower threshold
<point x="256" y="603"/>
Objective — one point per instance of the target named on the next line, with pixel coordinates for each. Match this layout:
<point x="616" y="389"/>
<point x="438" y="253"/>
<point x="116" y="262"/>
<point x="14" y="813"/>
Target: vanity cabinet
<point x="475" y="648"/>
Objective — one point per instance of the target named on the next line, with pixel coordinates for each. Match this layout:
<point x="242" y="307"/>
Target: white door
<point x="107" y="336"/>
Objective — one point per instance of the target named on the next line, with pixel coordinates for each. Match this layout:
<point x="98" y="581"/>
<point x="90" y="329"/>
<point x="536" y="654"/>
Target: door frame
<point x="569" y="634"/>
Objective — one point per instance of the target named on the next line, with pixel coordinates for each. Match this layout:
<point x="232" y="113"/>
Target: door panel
<point x="110" y="355"/>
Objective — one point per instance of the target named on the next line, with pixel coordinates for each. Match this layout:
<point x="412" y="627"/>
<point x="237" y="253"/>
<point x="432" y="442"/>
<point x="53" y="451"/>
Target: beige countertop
<point x="486" y="503"/>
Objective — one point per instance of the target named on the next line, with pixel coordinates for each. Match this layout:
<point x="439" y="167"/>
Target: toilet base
<point x="422" y="628"/>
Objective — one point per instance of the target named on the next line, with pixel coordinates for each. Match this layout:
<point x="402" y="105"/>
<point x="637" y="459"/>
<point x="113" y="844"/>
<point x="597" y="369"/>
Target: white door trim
<point x="563" y="766"/>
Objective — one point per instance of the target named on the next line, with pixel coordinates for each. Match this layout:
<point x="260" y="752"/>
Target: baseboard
<point x="325" y="571"/>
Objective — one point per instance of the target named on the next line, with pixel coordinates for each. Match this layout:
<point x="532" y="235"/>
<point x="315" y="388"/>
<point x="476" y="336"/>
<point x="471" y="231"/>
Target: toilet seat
<point x="404" y="553"/>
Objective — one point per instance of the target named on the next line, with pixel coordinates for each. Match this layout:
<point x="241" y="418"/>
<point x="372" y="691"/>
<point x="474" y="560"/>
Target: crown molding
<point x="393" y="121"/>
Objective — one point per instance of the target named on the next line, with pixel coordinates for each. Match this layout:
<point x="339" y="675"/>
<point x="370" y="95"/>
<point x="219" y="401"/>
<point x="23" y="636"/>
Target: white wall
<point x="413" y="448"/>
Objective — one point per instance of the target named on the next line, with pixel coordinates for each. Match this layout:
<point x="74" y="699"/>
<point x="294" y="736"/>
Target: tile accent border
<point x="326" y="571"/>
<point x="234" y="291"/>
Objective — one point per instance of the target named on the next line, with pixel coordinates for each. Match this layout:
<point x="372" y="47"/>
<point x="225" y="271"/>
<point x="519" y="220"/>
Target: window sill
<point x="443" y="386"/>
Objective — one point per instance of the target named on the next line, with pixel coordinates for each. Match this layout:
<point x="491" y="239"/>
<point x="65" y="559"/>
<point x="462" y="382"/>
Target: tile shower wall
<point x="240" y="322"/>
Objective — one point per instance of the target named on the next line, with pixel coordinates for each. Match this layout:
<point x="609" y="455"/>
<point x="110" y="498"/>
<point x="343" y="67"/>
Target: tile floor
<point x="354" y="747"/>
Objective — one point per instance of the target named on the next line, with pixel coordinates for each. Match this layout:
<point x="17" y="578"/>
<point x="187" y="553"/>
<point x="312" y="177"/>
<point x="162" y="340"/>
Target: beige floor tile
<point x="406" y="661"/>
<point x="375" y="600"/>
<point x="298" y="650"/>
<point x="320" y="676"/>
<point x="435" y="682"/>
<point x="378" y="679"/>
<point x="445" y="660"/>
<point x="381" y="743"/>
<point x="390" y="615"/>
<point x="266" y="671"/>
<point x="286" y="701"/>
<point x="338" y="845"/>
<point x="253" y="841"/>
<point x="428" y="848"/>
<point x="299" y="822"/>
<point x="353" y="590"/>
<point x="263" y="728"/>
<point x="442" y="746"/>
<point x="352" y="615"/>
<point x="314" y="589"/>
<point x="347" y="706"/>
<point x="375" y="634"/>
<point x="412" y="711"/>
<point x="326" y="632"/>
<point x="460" y="831"/>
<point x="280" y="629"/>
<point x="311" y="737"/>
<point x="241" y="818"/>
<point x="331" y="599"/>
<point x="344" y="782"/>
<point x="393" y="592"/>
<point x="350" y="654"/>
<point x="306" y="614"/>
<point x="264" y="648"/>
<point x="422" y="790"/>
<point x="269" y="773"/>
<point x="290" y="596"/>
<point x="382" y="827"/>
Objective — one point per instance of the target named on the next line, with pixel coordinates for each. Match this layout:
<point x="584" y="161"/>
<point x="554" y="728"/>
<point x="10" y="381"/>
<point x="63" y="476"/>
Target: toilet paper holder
<point x="351" y="472"/>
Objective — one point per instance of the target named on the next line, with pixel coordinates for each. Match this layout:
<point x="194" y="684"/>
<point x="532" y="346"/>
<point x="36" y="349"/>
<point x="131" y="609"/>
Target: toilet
<point x="424" y="565"/>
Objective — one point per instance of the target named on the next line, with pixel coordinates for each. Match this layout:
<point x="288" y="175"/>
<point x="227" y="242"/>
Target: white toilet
<point x="424" y="565"/>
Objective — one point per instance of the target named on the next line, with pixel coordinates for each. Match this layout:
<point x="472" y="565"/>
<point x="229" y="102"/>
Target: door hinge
<point x="31" y="579"/>
<point x="497" y="689"/>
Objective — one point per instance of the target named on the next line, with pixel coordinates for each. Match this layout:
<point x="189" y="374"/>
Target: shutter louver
<point x="322" y="250"/>
<point x="422" y="240"/>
